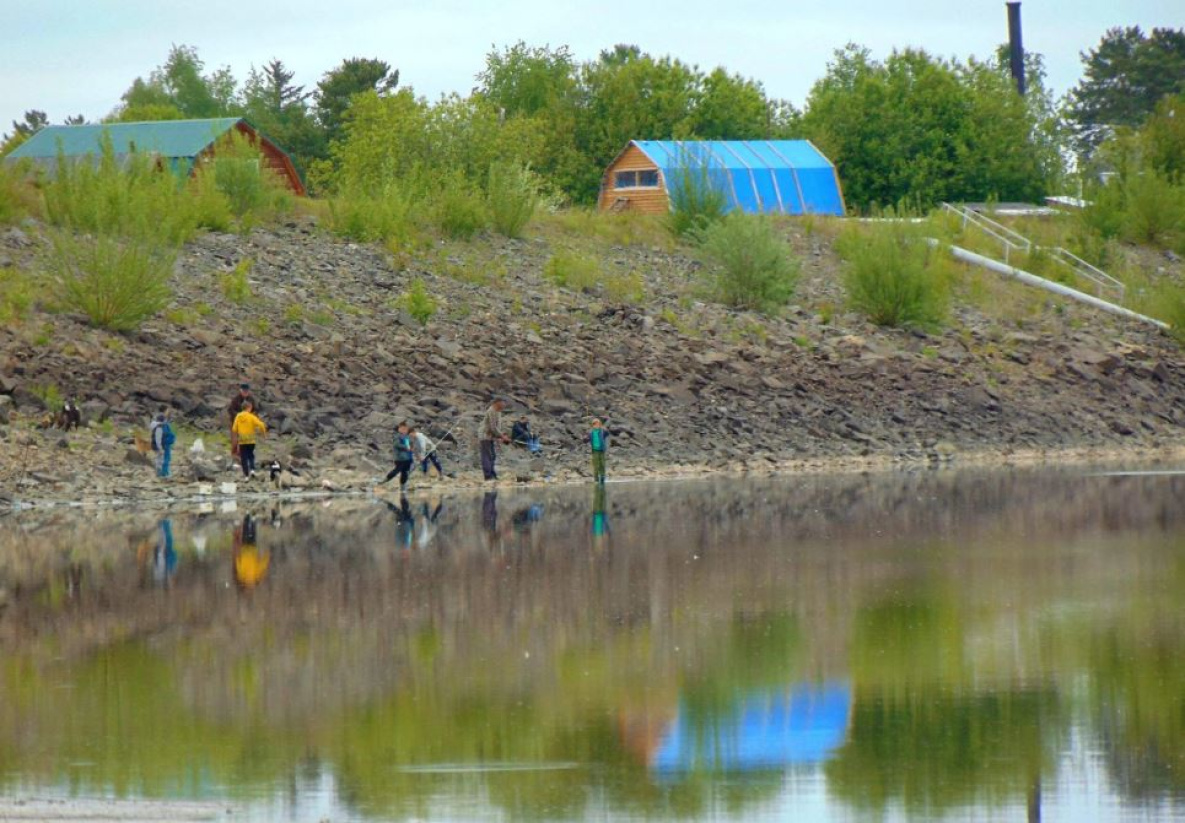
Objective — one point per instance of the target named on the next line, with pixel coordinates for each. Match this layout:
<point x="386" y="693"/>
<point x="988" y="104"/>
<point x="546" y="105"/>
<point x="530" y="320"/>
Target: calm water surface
<point x="988" y="646"/>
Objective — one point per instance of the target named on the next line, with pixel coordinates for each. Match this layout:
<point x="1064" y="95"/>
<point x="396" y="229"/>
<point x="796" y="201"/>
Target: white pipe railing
<point x="1048" y="285"/>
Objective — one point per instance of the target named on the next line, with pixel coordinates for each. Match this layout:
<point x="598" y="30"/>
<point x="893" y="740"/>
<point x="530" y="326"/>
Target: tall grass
<point x="893" y="276"/>
<point x="512" y="195"/>
<point x="571" y="270"/>
<point x="697" y="199"/>
<point x="752" y="268"/>
<point x="18" y="196"/>
<point x="118" y="283"/>
<point x="391" y="216"/>
<point x="125" y="197"/>
<point x="459" y="210"/>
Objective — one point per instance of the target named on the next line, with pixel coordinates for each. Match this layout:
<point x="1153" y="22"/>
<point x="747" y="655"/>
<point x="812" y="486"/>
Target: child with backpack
<point x="162" y="436"/>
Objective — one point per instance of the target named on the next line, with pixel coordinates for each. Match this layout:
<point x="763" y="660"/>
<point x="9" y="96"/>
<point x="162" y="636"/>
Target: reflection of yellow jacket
<point x="245" y="427"/>
<point x="250" y="565"/>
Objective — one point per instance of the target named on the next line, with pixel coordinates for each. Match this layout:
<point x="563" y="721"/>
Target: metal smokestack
<point x="1016" y="47"/>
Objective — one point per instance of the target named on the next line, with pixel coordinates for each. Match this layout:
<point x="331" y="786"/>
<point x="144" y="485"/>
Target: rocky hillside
<point x="320" y="333"/>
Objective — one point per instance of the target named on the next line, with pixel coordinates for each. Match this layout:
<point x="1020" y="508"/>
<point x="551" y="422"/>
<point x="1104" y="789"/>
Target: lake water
<point x="931" y="646"/>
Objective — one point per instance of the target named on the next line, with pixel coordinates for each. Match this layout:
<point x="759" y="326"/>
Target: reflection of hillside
<point x="959" y="607"/>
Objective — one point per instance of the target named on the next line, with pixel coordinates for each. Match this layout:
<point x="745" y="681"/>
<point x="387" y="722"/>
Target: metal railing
<point x="1015" y="241"/>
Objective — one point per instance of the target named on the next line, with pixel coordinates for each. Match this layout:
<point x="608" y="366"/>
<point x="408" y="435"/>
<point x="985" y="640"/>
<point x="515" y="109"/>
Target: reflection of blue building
<point x="765" y="730"/>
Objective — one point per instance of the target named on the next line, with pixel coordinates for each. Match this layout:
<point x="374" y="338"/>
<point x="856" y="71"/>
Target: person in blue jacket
<point x="163" y="439"/>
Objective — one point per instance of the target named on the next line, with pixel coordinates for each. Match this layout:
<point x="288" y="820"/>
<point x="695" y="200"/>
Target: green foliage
<point x="698" y="200"/>
<point x="625" y="288"/>
<point x="1123" y="79"/>
<point x="571" y="270"/>
<point x="920" y="127"/>
<point x="117" y="283"/>
<point x="1155" y="210"/>
<point x="235" y="286"/>
<point x="752" y="267"/>
<point x="893" y="277"/>
<point x="50" y="397"/>
<point x="19" y="291"/>
<point x="341" y="84"/>
<point x="126" y="198"/>
<point x="417" y="302"/>
<point x="1163" y="139"/>
<point x="18" y="197"/>
<point x="180" y="84"/>
<point x="512" y="196"/>
<point x="294" y="314"/>
<point x="242" y="177"/>
<point x="459" y="210"/>
<point x="389" y="215"/>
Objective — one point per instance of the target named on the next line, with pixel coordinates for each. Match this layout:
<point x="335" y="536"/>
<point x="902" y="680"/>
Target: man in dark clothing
<point x="489" y="431"/>
<point x="236" y="403"/>
<point x="521" y="435"/>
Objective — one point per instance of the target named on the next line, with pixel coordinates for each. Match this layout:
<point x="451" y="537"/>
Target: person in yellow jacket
<point x="243" y="432"/>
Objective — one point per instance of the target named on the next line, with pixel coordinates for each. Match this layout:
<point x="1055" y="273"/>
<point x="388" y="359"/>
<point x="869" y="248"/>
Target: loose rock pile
<point x="336" y="363"/>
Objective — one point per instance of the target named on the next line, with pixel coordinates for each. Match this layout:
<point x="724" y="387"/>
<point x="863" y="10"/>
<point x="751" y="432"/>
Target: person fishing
<point x="598" y="441"/>
<point x="404" y="455"/>
<point x="488" y="433"/>
<point x="425" y="451"/>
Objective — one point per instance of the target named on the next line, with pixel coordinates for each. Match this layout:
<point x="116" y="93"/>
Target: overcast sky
<point x="78" y="56"/>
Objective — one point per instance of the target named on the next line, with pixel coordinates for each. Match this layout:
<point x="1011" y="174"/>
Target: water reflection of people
<point x="405" y="523"/>
<point x="164" y="557"/>
<point x="250" y="561"/>
<point x="489" y="518"/>
<point x="599" y="523"/>
<point x="426" y="530"/>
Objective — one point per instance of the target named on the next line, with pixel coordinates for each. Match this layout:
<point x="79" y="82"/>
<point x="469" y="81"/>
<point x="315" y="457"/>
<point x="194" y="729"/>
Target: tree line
<point x="912" y="128"/>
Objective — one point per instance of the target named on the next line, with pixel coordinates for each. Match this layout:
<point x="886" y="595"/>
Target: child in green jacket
<point x="598" y="441"/>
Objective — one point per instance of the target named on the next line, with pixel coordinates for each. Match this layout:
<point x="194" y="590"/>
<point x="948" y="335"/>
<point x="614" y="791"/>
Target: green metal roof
<point x="167" y="138"/>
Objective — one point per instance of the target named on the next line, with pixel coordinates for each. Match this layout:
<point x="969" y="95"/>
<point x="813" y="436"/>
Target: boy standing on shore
<point x="598" y="441"/>
<point x="243" y="432"/>
<point x="162" y="441"/>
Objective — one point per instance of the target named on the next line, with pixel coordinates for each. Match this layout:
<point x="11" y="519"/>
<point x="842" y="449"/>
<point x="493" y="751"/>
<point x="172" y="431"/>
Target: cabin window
<point x="645" y="179"/>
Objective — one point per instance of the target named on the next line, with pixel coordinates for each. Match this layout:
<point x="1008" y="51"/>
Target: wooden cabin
<point x="756" y="176"/>
<point x="181" y="145"/>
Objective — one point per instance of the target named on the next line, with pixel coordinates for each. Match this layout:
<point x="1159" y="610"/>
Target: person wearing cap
<point x="236" y="403"/>
<point x="488" y="432"/>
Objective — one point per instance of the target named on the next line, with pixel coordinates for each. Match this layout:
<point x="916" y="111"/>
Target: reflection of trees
<point x="921" y="733"/>
<point x="932" y="749"/>
<point x="362" y="658"/>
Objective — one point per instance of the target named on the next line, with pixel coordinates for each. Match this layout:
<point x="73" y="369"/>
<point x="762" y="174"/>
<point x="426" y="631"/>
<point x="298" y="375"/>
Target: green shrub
<point x="388" y="216"/>
<point x="18" y="293"/>
<point x="417" y="302"/>
<point x="459" y="211"/>
<point x="697" y="200"/>
<point x="239" y="171"/>
<point x="512" y="196"/>
<point x="18" y="195"/>
<point x="116" y="283"/>
<point x="570" y="270"/>
<point x="625" y="288"/>
<point x="235" y="286"/>
<point x="894" y="277"/>
<point x="126" y="197"/>
<point x="752" y="267"/>
<point x="50" y="397"/>
<point x="1155" y="211"/>
<point x="211" y="208"/>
